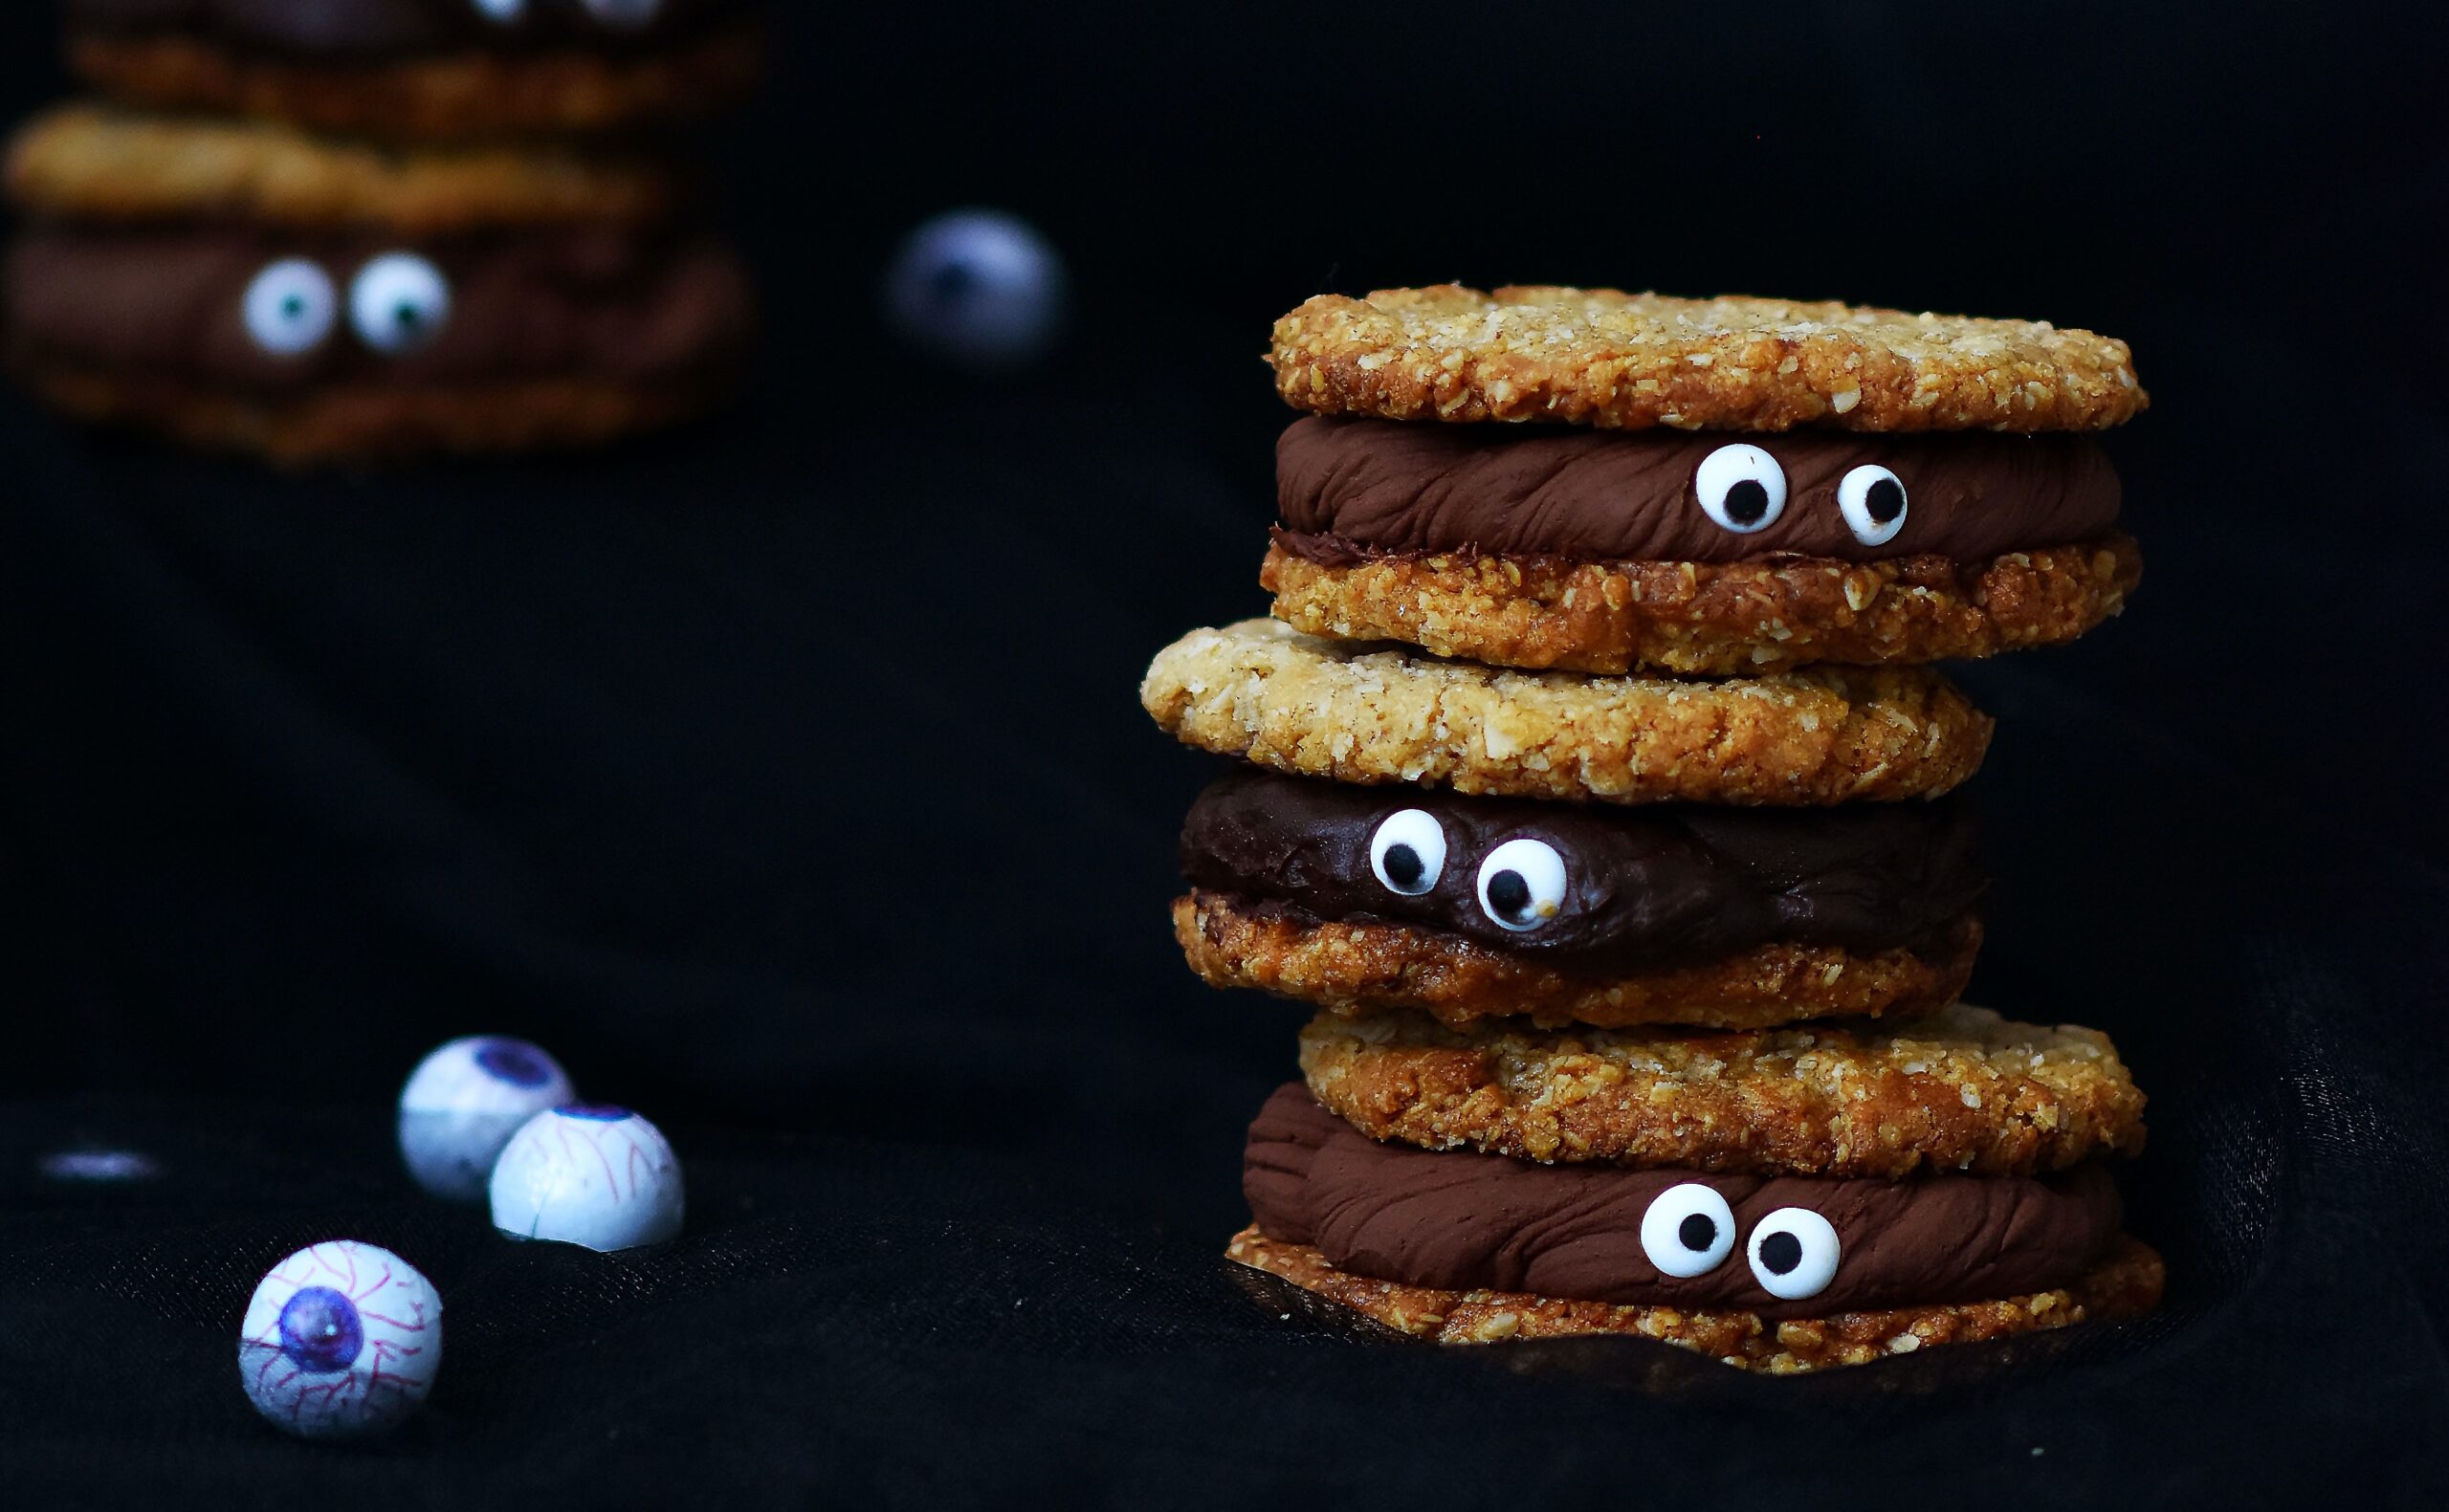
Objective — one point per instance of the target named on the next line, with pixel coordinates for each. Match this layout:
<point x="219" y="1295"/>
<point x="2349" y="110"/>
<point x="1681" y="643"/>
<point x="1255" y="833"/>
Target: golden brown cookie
<point x="95" y="162"/>
<point x="1361" y="713"/>
<point x="1746" y="617"/>
<point x="1358" y="967"/>
<point x="2126" y="1284"/>
<point x="1632" y="361"/>
<point x="1963" y="1089"/>
<point x="455" y="96"/>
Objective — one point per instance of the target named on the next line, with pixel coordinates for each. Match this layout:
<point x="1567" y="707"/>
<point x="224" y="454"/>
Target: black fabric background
<point x="785" y="778"/>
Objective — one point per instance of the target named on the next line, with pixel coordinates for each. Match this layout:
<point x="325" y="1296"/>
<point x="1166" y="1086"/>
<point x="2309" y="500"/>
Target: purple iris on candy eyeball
<point x="463" y="1103"/>
<point x="341" y="1340"/>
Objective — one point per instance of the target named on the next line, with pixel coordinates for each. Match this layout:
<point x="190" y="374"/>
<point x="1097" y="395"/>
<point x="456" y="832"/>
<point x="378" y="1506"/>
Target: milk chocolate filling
<point x="1350" y="489"/>
<point x="169" y="304"/>
<point x="1458" y="1220"/>
<point x="362" y="29"/>
<point x="1650" y="886"/>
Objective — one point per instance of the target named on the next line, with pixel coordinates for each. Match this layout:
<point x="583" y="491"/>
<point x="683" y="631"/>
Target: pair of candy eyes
<point x="624" y="14"/>
<point x="1742" y="488"/>
<point x="1688" y="1230"/>
<point x="1521" y="882"/>
<point x="397" y="303"/>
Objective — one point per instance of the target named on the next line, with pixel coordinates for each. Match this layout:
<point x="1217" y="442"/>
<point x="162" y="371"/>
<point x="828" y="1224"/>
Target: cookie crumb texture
<point x="458" y="97"/>
<point x="1963" y="1089"/>
<point x="1714" y="619"/>
<point x="1600" y="357"/>
<point x="1357" y="968"/>
<point x="2126" y="1284"/>
<point x="1262" y="691"/>
<point x="92" y="163"/>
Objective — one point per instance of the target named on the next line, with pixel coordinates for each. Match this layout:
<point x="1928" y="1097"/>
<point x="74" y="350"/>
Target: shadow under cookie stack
<point x="334" y="229"/>
<point x="1594" y="784"/>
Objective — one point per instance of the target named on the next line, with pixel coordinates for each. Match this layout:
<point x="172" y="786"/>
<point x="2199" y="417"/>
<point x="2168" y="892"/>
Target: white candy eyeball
<point x="1408" y="852"/>
<point x="588" y="1175"/>
<point x="1522" y="884"/>
<point x="465" y="1101"/>
<point x="1687" y="1230"/>
<point x="341" y="1341"/>
<point x="291" y="307"/>
<point x="626" y="15"/>
<point x="399" y="302"/>
<point x="976" y="287"/>
<point x="504" y="11"/>
<point x="1872" y="500"/>
<point x="1794" y="1253"/>
<point x="1741" y="487"/>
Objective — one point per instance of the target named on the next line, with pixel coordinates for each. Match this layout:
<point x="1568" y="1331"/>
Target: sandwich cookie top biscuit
<point x="424" y="69"/>
<point x="1364" y="713"/>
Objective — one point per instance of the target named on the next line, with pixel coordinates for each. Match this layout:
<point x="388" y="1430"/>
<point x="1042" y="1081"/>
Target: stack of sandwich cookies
<point x="1634" y="898"/>
<point x="421" y="225"/>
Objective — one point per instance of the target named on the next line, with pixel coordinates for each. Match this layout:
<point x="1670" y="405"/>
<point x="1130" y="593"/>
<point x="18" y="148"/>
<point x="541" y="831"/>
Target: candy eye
<point x="1687" y="1230"/>
<point x="626" y="15"/>
<point x="399" y="302"/>
<point x="1873" y="502"/>
<point x="291" y="307"/>
<point x="979" y="288"/>
<point x="341" y="1341"/>
<point x="504" y="11"/>
<point x="1408" y="852"/>
<point x="588" y="1175"/>
<point x="464" y="1102"/>
<point x="1741" y="487"/>
<point x="1794" y="1253"/>
<point x="1522" y="884"/>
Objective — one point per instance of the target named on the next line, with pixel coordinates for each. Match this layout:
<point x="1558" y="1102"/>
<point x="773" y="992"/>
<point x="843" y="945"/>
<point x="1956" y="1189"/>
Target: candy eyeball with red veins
<point x="590" y="1174"/>
<point x="341" y="1341"/>
<point x="463" y="1103"/>
<point x="979" y="289"/>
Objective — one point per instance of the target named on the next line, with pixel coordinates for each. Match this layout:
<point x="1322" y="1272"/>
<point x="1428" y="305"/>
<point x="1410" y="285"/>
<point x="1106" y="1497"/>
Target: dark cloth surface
<point x="784" y="778"/>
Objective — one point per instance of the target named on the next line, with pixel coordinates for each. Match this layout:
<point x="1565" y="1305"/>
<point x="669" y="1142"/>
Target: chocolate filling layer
<point x="359" y="29"/>
<point x="171" y="303"/>
<point x="1648" y="887"/>
<point x="1460" y="1220"/>
<point x="1350" y="489"/>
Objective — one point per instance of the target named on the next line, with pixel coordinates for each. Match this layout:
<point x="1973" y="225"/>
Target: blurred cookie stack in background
<point x="325" y="229"/>
<point x="1595" y="787"/>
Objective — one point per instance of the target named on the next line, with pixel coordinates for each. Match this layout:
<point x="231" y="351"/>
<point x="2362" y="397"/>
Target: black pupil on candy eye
<point x="1403" y="867"/>
<point x="952" y="283"/>
<point x="1747" y="502"/>
<point x="1697" y="1232"/>
<point x="1509" y="893"/>
<point x="407" y="315"/>
<point x="1781" y="1253"/>
<point x="294" y="306"/>
<point x="1885" y="501"/>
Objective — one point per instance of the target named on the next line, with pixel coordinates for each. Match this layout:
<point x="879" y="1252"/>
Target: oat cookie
<point x="1629" y="360"/>
<point x="1361" y="713"/>
<point x="1963" y="1089"/>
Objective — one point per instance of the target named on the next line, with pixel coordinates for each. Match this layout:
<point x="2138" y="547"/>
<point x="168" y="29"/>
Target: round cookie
<point x="1632" y="361"/>
<point x="1360" y="898"/>
<point x="1963" y="1089"/>
<point x="313" y="300"/>
<point x="1360" y="714"/>
<point x="425" y="70"/>
<point x="2126" y="1284"/>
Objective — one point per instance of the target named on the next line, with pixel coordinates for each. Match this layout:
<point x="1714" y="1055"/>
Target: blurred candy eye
<point x="465" y="1101"/>
<point x="1872" y="500"/>
<point x="1522" y="884"/>
<point x="1408" y="852"/>
<point x="341" y="1341"/>
<point x="291" y="307"/>
<point x="399" y="302"/>
<point x="503" y="10"/>
<point x="1794" y="1253"/>
<point x="590" y="1174"/>
<point x="1741" y="487"/>
<point x="626" y="15"/>
<point x="1687" y="1230"/>
<point x="976" y="287"/>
